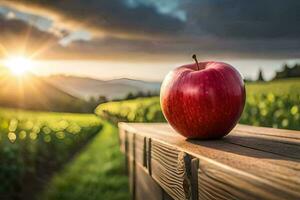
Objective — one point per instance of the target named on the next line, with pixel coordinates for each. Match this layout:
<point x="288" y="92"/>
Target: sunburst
<point x="18" y="65"/>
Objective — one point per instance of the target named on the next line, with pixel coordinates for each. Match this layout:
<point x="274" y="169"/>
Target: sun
<point x="18" y="65"/>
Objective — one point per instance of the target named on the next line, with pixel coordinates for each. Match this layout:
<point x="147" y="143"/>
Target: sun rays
<point x="18" y="65"/>
<point x="19" y="52"/>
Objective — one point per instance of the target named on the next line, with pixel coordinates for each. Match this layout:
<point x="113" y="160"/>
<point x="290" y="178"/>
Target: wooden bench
<point x="249" y="163"/>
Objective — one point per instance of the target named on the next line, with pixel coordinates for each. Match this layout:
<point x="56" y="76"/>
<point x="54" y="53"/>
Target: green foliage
<point x="278" y="87"/>
<point x="288" y="71"/>
<point x="34" y="144"/>
<point x="96" y="173"/>
<point x="138" y="110"/>
<point x="272" y="104"/>
<point x="278" y="111"/>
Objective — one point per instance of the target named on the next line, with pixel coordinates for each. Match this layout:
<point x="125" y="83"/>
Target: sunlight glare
<point x="18" y="64"/>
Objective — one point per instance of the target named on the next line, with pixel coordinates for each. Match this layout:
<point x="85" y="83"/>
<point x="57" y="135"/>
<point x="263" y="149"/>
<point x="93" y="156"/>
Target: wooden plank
<point x="286" y="147"/>
<point x="271" y="132"/>
<point x="145" y="164"/>
<point x="281" y="133"/>
<point x="146" y="187"/>
<point x="171" y="168"/>
<point x="259" y="154"/>
<point x="131" y="175"/>
<point x="131" y="144"/>
<point x="283" y="174"/>
<point x="131" y="163"/>
<point x="221" y="182"/>
<point x="148" y="154"/>
<point x="194" y="177"/>
<point x="122" y="140"/>
<point x="139" y="149"/>
<point x="168" y="170"/>
<point x="125" y="137"/>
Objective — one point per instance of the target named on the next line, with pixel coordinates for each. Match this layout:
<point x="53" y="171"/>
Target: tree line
<point x="287" y="71"/>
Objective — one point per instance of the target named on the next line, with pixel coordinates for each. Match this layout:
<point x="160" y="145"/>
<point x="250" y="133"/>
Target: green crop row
<point x="272" y="111"/>
<point x="138" y="110"/>
<point x="272" y="104"/>
<point x="32" y="145"/>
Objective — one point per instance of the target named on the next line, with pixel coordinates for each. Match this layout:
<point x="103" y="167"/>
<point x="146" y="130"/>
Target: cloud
<point x="165" y="29"/>
<point x="18" y="36"/>
<point x="256" y="19"/>
<point x="115" y="17"/>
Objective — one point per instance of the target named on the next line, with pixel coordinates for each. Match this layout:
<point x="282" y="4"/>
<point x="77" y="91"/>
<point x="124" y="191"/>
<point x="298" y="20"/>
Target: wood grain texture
<point x="172" y="169"/>
<point x="132" y="175"/>
<point x="139" y="149"/>
<point x="131" y="163"/>
<point x="146" y="187"/>
<point x="286" y="147"/>
<point x="148" y="154"/>
<point x="219" y="182"/>
<point x="281" y="133"/>
<point x="194" y="177"/>
<point x="249" y="163"/>
<point x="122" y="140"/>
<point x="145" y="154"/>
<point x="168" y="170"/>
<point x="125" y="142"/>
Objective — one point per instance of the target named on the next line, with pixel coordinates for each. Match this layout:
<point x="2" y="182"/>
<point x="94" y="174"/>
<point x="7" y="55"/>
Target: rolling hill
<point x="87" y="87"/>
<point x="32" y="92"/>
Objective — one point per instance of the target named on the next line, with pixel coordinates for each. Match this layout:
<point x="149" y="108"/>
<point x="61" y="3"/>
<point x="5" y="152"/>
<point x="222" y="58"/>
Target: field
<point x="279" y="87"/>
<point x="138" y="110"/>
<point x="35" y="144"/>
<point x="272" y="104"/>
<point x="49" y="151"/>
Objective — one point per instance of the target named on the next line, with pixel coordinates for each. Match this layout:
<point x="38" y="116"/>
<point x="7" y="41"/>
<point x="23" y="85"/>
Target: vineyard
<point x="33" y="145"/>
<point x="270" y="104"/>
<point x="37" y="151"/>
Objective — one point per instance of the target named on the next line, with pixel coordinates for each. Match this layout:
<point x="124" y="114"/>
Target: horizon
<point x="248" y="68"/>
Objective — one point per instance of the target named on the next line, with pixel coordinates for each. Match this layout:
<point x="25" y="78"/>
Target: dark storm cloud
<point x="211" y="28"/>
<point x="114" y="16"/>
<point x="221" y="18"/>
<point x="253" y="19"/>
<point x="206" y="48"/>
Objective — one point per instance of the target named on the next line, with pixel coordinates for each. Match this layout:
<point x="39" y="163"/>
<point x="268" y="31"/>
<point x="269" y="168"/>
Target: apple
<point x="203" y="100"/>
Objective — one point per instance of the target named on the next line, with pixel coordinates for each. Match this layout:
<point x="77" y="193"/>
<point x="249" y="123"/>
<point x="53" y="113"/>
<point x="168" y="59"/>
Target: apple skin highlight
<point x="203" y="100"/>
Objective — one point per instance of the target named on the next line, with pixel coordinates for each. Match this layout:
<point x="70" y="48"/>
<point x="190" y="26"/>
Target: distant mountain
<point x="87" y="87"/>
<point x="31" y="92"/>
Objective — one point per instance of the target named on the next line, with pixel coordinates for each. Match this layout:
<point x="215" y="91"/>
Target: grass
<point x="96" y="173"/>
<point x="277" y="87"/>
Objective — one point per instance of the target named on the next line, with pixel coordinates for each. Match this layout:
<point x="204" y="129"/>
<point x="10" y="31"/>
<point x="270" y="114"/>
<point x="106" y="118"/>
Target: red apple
<point x="203" y="100"/>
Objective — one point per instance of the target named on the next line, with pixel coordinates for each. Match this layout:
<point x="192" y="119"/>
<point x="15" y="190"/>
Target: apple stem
<point x="195" y="58"/>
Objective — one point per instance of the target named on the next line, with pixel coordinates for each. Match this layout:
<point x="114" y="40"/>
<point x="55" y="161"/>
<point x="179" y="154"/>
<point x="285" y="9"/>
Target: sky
<point x="144" y="39"/>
